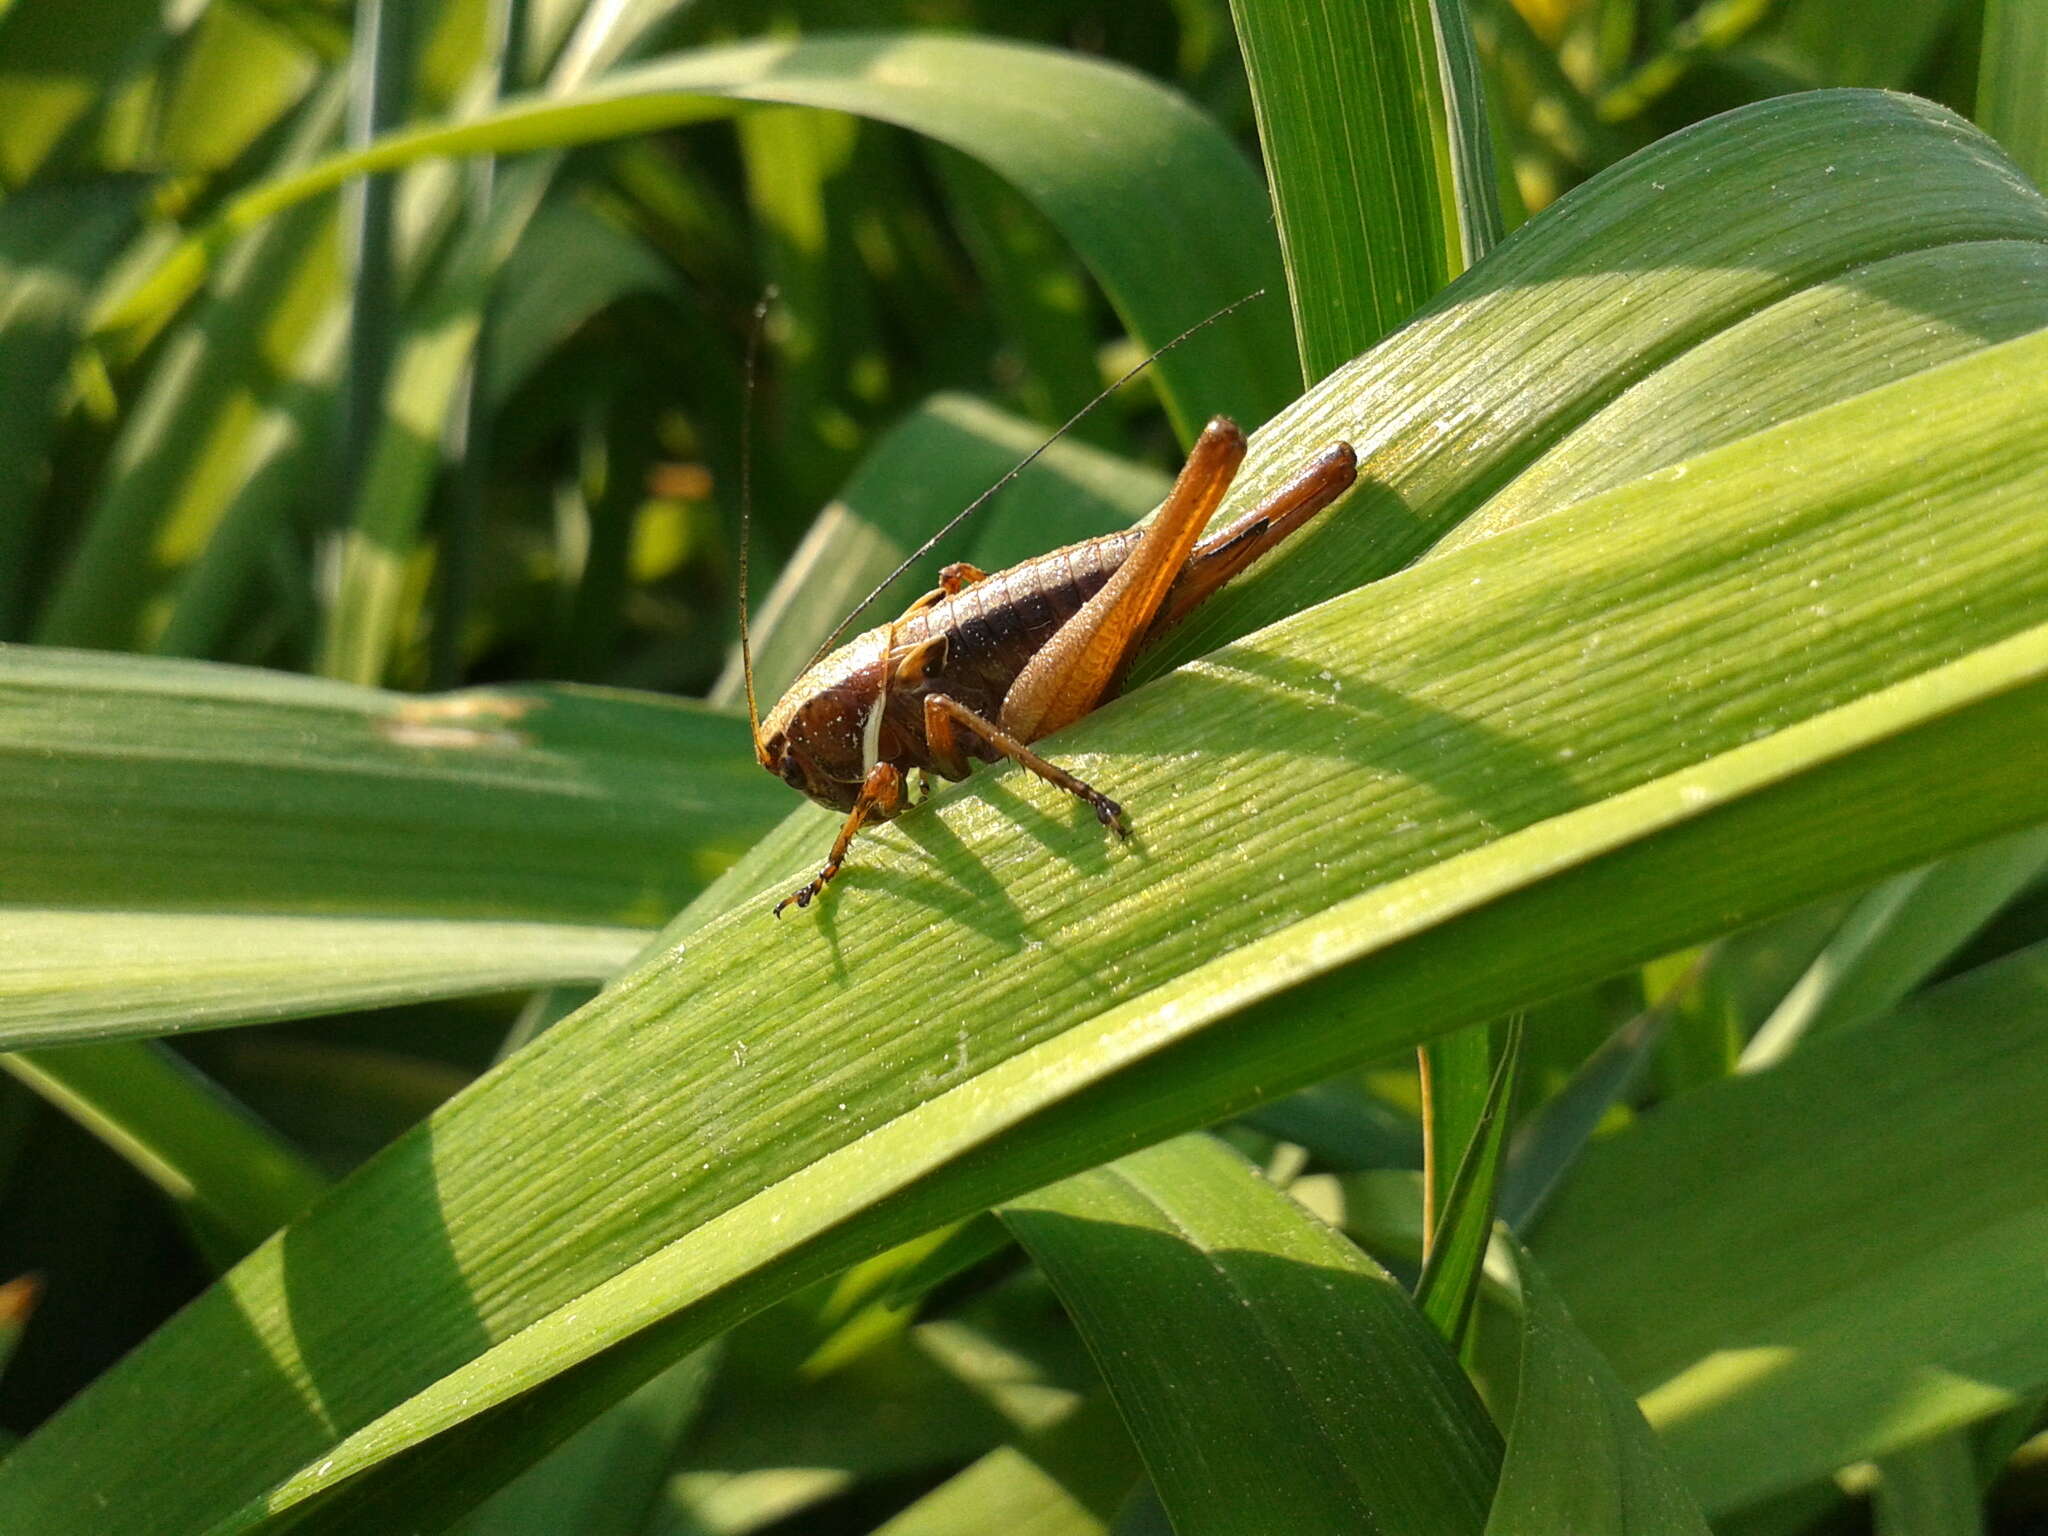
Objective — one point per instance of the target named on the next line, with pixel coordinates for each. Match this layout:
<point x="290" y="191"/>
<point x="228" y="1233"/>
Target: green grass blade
<point x="54" y="243"/>
<point x="1579" y="1456"/>
<point x="1457" y="1251"/>
<point x="71" y="976"/>
<point x="1455" y="1076"/>
<point x="1897" y="937"/>
<point x="2011" y="105"/>
<point x="1126" y="1020"/>
<point x="1549" y="1141"/>
<point x="1110" y="157"/>
<point x="186" y="787"/>
<point x="1360" y="192"/>
<point x="1274" y="1376"/>
<point x="1780" y="1327"/>
<point x="234" y="1177"/>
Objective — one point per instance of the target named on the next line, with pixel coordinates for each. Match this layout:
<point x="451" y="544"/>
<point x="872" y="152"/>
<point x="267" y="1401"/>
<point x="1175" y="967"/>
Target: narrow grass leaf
<point x="1462" y="1229"/>
<point x="210" y="464"/>
<point x="1648" y="261"/>
<point x="1273" y="1376"/>
<point x="54" y="243"/>
<point x="1579" y="1456"/>
<point x="70" y="976"/>
<point x="1548" y="1142"/>
<point x="1374" y="135"/>
<point x="1895" y="938"/>
<point x="1851" y="331"/>
<point x="1455" y="1076"/>
<point x="1777" y="1328"/>
<point x="184" y="787"/>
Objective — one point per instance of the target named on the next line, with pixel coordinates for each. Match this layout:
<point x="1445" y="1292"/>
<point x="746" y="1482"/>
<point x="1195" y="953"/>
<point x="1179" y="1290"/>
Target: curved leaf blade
<point x="1273" y="1375"/>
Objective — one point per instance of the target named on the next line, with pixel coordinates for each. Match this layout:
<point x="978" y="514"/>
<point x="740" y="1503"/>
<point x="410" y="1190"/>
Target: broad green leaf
<point x="2011" y="105"/>
<point x="1898" y="762"/>
<point x="54" y="242"/>
<point x="68" y="975"/>
<point x="1375" y="140"/>
<point x="1273" y="1376"/>
<point x="930" y="466"/>
<point x="1512" y="764"/>
<point x="233" y="1176"/>
<point x="210" y="791"/>
<point x="1462" y="1228"/>
<point x="1579" y="1456"/>
<point x="1110" y="157"/>
<point x="1892" y="781"/>
<point x="1849" y="332"/>
<point x="1895" y="938"/>
<point x="1778" y="1327"/>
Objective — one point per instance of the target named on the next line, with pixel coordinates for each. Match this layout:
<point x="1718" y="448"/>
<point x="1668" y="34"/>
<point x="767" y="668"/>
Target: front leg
<point x="946" y="717"/>
<point x="882" y="790"/>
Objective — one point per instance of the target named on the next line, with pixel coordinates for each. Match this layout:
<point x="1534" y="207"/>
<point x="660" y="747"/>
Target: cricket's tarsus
<point x="990" y="662"/>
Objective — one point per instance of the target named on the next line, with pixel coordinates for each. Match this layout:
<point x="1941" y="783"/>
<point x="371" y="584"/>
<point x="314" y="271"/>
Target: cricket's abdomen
<point x="993" y="628"/>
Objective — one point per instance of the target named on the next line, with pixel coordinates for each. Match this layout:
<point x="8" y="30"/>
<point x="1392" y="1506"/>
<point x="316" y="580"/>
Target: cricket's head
<point x="791" y="745"/>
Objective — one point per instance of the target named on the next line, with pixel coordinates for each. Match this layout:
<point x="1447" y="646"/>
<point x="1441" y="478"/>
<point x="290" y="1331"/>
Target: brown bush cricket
<point x="990" y="662"/>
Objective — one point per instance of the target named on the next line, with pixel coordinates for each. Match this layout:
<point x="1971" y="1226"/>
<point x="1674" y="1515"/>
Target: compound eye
<point x="792" y="771"/>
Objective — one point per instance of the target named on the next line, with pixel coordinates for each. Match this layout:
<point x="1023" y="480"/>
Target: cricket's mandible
<point x="991" y="662"/>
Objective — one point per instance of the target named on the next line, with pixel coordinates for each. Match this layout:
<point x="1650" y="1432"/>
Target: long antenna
<point x="1017" y="469"/>
<point x="768" y="297"/>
